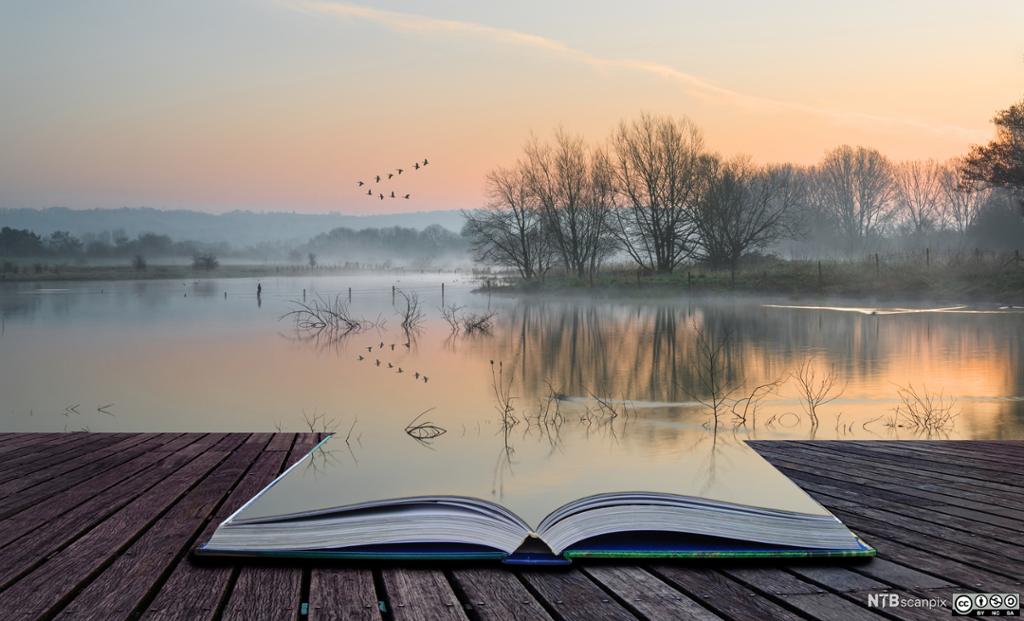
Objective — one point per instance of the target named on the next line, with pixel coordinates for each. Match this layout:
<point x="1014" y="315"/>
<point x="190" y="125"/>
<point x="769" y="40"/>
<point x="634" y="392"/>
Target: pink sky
<point x="282" y="104"/>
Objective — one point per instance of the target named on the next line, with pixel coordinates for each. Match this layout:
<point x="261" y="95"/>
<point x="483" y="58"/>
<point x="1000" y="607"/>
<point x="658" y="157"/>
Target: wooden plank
<point x="19" y="440"/>
<point x="960" y="474"/>
<point x="721" y="594"/>
<point x="48" y="586"/>
<point x="48" y="481"/>
<point x="982" y="537"/>
<point x="123" y="586"/>
<point x="38" y="543"/>
<point x="573" y="596"/>
<point x="646" y="595"/>
<point x="853" y="499"/>
<point x="44" y="510"/>
<point x="45" y="456"/>
<point x="806" y="597"/>
<point x="495" y="594"/>
<point x="995" y="456"/>
<point x="420" y="595"/>
<point x="905" y="473"/>
<point x="905" y="461"/>
<point x="277" y="587"/>
<point x="252" y="601"/>
<point x="195" y="591"/>
<point x="934" y="489"/>
<point x="338" y="594"/>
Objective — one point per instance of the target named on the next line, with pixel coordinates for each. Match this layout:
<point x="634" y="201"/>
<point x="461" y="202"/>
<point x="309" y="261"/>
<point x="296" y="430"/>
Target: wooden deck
<point x="98" y="526"/>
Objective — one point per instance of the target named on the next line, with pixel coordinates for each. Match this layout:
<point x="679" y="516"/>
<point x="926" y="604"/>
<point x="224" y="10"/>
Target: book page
<point x="530" y="474"/>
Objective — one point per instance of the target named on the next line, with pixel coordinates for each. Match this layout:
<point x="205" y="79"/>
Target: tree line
<point x="340" y="243"/>
<point x="655" y="194"/>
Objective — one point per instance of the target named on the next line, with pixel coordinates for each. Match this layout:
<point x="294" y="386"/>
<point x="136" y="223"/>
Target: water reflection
<point x="199" y="355"/>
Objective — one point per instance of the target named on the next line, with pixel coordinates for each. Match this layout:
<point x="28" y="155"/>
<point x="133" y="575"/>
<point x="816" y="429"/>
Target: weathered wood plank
<point x="339" y="594"/>
<point x="122" y="587"/>
<point x="495" y="594"/>
<point x="647" y="595"/>
<point x="574" y="596"/>
<point x="721" y="594"/>
<point x="420" y="595"/>
<point x="195" y="591"/>
<point x="48" y="586"/>
<point x="251" y="600"/>
<point x="47" y="481"/>
<point x="39" y="513"/>
<point x="38" y="458"/>
<point x="277" y="587"/>
<point x="934" y="489"/>
<point x="38" y="543"/>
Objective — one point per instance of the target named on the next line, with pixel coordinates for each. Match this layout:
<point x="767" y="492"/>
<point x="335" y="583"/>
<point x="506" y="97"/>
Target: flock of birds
<point x="398" y="171"/>
<point x="377" y="361"/>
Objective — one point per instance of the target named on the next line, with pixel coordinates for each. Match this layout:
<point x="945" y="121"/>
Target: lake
<point x="556" y="380"/>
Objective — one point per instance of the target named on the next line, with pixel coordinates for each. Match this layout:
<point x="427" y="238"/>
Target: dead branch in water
<point x="816" y="390"/>
<point x="922" y="411"/>
<point x="744" y="409"/>
<point x="481" y="323"/>
<point x="450" y="314"/>
<point x="503" y="395"/>
<point x="319" y="423"/>
<point x="426" y="431"/>
<point x="326" y="317"/>
<point x="412" y="315"/>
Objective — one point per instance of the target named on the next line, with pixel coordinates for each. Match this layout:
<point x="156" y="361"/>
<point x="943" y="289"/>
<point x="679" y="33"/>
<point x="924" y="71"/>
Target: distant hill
<point x="239" y="228"/>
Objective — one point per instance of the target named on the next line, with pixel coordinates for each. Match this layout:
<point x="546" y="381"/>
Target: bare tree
<point x="918" y="193"/>
<point x="743" y="207"/>
<point x="855" y="186"/>
<point x="963" y="197"/>
<point x="659" y="163"/>
<point x="572" y="185"/>
<point x="509" y="231"/>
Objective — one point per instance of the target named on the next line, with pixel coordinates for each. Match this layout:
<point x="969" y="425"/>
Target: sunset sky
<point x="285" y="104"/>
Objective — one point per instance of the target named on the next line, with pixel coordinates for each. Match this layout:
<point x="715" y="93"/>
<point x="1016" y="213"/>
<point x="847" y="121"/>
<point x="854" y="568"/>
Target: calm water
<point x="586" y="378"/>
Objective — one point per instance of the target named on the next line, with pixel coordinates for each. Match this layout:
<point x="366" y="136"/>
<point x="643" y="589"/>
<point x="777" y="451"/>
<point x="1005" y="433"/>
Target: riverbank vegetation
<point x="654" y="206"/>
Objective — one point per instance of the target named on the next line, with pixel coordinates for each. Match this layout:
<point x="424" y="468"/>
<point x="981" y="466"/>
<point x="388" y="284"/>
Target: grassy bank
<point x="995" y="281"/>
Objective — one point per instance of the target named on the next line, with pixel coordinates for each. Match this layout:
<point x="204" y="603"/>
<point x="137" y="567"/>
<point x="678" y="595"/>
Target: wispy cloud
<point x="696" y="85"/>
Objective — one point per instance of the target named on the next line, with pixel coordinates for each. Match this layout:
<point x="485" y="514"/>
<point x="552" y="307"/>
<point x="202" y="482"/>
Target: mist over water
<point x="174" y="355"/>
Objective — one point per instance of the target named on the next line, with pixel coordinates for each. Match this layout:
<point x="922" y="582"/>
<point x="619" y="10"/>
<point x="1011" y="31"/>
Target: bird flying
<point x="399" y="171"/>
<point x="425" y="162"/>
<point x="390" y="175"/>
<point x="406" y="196"/>
<point x="361" y="184"/>
<point x="392" y="194"/>
<point x="369" y="192"/>
<point x="360" y="357"/>
<point x="382" y="196"/>
<point x="416" y="166"/>
<point x="378" y="178"/>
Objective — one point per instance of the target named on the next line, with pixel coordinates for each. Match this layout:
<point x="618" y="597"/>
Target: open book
<point x="313" y="513"/>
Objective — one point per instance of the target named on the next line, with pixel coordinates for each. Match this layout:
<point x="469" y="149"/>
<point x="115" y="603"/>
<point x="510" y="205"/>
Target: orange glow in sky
<point x="285" y="104"/>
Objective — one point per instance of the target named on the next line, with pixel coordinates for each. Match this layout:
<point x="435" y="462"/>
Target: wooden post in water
<point x="442" y="294"/>
<point x="927" y="257"/>
<point x="350" y="295"/>
<point x="392" y="295"/>
<point x="819" y="273"/>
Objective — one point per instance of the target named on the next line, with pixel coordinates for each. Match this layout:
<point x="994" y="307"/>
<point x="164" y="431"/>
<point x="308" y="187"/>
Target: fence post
<point x="350" y="295"/>
<point x="442" y="294"/>
<point x="927" y="257"/>
<point x="392" y="295"/>
<point x="819" y="273"/>
<point x="878" y="267"/>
